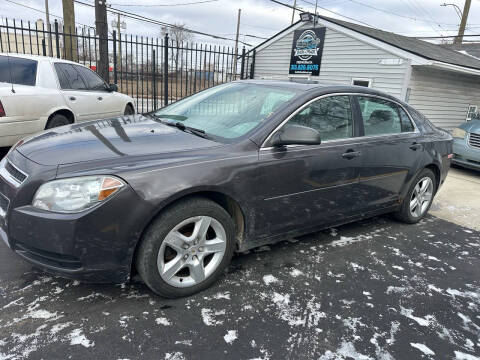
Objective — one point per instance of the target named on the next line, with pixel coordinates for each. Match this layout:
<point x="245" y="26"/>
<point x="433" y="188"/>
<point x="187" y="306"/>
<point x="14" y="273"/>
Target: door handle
<point x="415" y="146"/>
<point x="100" y="98"/>
<point x="73" y="98"/>
<point x="350" y="154"/>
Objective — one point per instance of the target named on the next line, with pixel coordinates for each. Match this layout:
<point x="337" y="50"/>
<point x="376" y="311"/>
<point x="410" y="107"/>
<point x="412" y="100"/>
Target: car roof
<point x="315" y="85"/>
<point x="38" y="58"/>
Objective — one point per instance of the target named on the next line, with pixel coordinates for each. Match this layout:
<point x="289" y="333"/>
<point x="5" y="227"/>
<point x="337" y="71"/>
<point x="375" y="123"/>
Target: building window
<point x="472" y="110"/>
<point x="362" y="82"/>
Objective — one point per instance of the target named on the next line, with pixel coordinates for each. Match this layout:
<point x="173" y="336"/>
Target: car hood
<point x="472" y="126"/>
<point x="123" y="136"/>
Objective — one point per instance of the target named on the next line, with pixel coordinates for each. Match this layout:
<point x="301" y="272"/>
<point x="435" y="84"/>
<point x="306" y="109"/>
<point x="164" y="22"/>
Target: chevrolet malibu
<point x="172" y="194"/>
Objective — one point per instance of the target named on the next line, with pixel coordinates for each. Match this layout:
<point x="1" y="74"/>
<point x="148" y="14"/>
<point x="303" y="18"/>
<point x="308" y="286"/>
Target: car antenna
<point x="10" y="71"/>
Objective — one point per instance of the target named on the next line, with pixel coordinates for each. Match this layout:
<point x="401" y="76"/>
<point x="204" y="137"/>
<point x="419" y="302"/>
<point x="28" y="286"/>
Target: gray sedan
<point x="171" y="195"/>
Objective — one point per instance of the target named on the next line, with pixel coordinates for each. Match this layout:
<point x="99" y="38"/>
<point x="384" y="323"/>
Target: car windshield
<point x="227" y="111"/>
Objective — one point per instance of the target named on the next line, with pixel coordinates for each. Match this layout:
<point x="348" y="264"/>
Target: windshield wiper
<point x="192" y="130"/>
<point x="180" y="125"/>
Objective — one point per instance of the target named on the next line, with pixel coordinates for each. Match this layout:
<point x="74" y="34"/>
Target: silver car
<point x="466" y="145"/>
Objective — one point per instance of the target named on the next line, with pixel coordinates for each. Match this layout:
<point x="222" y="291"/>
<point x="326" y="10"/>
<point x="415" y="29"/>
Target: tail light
<point x="2" y="110"/>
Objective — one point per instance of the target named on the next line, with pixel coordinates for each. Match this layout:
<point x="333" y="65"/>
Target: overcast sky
<point x="264" y="18"/>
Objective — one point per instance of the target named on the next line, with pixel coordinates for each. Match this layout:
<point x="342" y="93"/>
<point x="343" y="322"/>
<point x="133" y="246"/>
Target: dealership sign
<point x="307" y="51"/>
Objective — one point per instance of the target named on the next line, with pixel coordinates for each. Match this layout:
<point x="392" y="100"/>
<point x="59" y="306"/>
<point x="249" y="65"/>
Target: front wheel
<point x="419" y="198"/>
<point x="186" y="248"/>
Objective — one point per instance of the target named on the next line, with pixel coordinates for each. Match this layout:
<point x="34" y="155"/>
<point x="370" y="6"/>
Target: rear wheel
<point x="419" y="198"/>
<point x="186" y="248"/>
<point x="56" y="121"/>
<point x="129" y="110"/>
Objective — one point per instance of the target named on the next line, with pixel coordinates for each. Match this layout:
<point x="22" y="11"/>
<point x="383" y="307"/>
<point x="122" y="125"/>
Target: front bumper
<point x="465" y="155"/>
<point x="96" y="245"/>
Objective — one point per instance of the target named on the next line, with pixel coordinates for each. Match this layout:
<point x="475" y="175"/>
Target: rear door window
<point x="18" y="70"/>
<point x="383" y="117"/>
<point x="70" y="79"/>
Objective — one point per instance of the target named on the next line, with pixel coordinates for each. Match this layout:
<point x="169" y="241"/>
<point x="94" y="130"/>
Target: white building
<point x="442" y="83"/>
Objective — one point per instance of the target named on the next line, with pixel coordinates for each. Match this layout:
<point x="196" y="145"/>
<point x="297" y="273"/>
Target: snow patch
<point x="231" y="336"/>
<point x="208" y="317"/>
<point x="175" y="356"/>
<point x="462" y="356"/>
<point x="420" y="321"/>
<point x="269" y="279"/>
<point x="296" y="273"/>
<point x="59" y="327"/>
<point x="423" y="348"/>
<point x="345" y="351"/>
<point x="78" y="338"/>
<point x="163" y="321"/>
<point x="184" y="342"/>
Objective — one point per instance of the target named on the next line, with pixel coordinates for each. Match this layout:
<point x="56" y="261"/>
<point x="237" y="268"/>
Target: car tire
<point x="56" y="121"/>
<point x="152" y="252"/>
<point x="129" y="110"/>
<point x="409" y="213"/>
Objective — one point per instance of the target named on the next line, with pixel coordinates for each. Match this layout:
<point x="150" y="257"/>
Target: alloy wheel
<point x="421" y="197"/>
<point x="192" y="251"/>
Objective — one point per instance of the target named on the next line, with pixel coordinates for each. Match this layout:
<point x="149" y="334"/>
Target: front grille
<point x="15" y="173"/>
<point x="474" y="140"/>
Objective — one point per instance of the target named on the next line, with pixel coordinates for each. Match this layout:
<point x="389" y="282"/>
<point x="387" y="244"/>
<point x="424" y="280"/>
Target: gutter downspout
<point x="406" y="81"/>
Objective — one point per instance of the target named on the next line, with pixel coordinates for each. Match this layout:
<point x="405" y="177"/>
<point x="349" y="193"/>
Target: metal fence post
<point x="44" y="48"/>
<point x="252" y="69"/>
<point x="154" y="80"/>
<point x="165" y="71"/>
<point x="242" y="67"/>
<point x="115" y="74"/>
<point x="57" y="40"/>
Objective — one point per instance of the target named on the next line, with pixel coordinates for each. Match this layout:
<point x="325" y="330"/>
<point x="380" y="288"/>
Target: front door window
<point x="331" y="116"/>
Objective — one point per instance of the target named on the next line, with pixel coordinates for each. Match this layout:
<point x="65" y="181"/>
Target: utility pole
<point x="69" y="38"/>
<point x="236" y="46"/>
<point x="47" y="18"/>
<point x="119" y="56"/>
<point x="102" y="32"/>
<point x="461" y="31"/>
<point x="293" y="13"/>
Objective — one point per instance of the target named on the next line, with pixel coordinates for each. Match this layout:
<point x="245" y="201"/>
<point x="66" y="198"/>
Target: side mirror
<point x="112" y="88"/>
<point x="296" y="135"/>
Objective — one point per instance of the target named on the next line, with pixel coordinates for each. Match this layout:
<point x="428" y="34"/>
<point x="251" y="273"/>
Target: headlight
<point x="459" y="133"/>
<point x="75" y="194"/>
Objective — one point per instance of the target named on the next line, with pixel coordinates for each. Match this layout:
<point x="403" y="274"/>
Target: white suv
<point x="38" y="93"/>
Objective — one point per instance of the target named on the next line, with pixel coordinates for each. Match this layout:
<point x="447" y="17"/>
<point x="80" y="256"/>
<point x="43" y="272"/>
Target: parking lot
<point x="376" y="289"/>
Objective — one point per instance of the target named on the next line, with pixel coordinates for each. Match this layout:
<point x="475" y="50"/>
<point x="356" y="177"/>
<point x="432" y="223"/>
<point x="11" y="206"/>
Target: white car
<point x="38" y="93"/>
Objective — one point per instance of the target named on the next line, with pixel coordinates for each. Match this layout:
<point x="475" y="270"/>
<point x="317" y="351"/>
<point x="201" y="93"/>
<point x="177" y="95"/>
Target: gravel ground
<point x="375" y="289"/>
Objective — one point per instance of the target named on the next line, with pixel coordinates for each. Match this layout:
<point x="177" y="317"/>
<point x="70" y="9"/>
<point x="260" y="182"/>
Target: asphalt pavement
<point x="375" y="289"/>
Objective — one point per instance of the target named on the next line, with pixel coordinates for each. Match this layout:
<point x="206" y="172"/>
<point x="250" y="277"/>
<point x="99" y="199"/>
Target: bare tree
<point x="180" y="35"/>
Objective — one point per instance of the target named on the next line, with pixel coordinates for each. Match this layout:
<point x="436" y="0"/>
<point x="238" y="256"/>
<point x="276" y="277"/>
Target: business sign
<point x="307" y="49"/>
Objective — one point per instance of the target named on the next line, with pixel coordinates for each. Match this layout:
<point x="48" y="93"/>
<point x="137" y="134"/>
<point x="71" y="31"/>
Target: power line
<point x="162" y="5"/>
<point x="333" y="12"/>
<point x="391" y="12"/>
<point x="444" y="37"/>
<point x="157" y="22"/>
<point x="338" y="14"/>
<point x="42" y="11"/>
